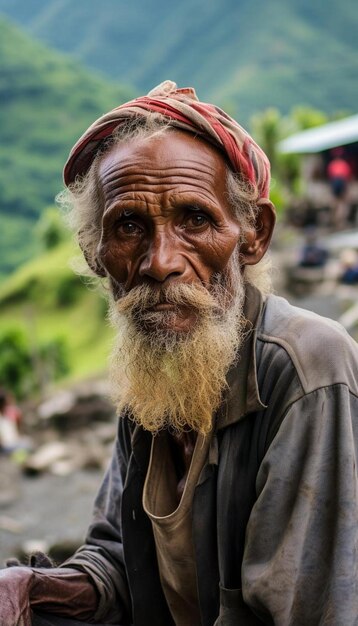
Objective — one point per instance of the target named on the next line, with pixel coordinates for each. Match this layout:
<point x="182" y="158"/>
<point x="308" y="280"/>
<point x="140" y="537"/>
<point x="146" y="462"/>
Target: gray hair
<point x="83" y="205"/>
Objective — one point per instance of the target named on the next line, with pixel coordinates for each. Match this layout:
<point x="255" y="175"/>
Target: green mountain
<point x="47" y="100"/>
<point x="45" y="306"/>
<point x="243" y="54"/>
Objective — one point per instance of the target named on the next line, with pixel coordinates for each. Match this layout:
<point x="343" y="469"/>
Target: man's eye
<point x="196" y="220"/>
<point x="128" y="228"/>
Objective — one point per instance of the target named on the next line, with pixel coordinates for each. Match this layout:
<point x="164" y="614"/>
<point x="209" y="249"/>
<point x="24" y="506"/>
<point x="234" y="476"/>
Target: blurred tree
<point x="26" y="368"/>
<point x="15" y="360"/>
<point x="50" y="228"/>
<point x="267" y="129"/>
<point x="305" y="117"/>
<point x="52" y="360"/>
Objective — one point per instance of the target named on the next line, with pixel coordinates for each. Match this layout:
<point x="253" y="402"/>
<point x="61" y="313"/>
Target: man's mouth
<point x="163" y="306"/>
<point x="167" y="316"/>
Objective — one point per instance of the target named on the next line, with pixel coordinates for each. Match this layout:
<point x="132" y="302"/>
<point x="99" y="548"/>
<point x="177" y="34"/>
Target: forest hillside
<point x="47" y="100"/>
<point x="243" y="54"/>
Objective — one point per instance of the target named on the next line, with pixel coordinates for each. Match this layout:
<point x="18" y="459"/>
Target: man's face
<point x="166" y="218"/>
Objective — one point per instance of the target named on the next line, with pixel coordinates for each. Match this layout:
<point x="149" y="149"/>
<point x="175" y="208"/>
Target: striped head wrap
<point x="186" y="112"/>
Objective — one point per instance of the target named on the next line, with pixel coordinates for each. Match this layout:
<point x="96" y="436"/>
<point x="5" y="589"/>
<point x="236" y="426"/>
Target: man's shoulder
<point x="320" y="349"/>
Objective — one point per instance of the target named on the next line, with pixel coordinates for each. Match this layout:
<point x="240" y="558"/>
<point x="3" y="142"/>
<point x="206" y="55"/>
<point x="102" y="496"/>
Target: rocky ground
<point x="44" y="512"/>
<point x="47" y="493"/>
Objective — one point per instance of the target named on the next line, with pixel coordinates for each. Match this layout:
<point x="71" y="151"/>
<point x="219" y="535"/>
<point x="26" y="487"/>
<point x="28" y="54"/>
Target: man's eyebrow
<point x="127" y="212"/>
<point x="194" y="206"/>
<point x="199" y="204"/>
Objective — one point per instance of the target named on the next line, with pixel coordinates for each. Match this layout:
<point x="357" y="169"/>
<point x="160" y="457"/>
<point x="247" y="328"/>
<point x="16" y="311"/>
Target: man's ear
<point x="257" y="239"/>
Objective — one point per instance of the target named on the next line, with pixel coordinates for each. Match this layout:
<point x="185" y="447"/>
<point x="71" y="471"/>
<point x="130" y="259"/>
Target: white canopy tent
<point x="340" y="133"/>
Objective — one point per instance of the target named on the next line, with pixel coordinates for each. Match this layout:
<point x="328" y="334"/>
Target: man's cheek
<point x="219" y="268"/>
<point x="118" y="289"/>
<point x="218" y="254"/>
<point x="114" y="263"/>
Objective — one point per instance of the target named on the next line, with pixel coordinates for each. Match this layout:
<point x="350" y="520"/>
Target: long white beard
<point x="174" y="380"/>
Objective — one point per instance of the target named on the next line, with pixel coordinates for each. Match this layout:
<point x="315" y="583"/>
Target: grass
<point x="48" y="301"/>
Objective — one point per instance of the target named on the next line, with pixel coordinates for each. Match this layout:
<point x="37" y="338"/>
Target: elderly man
<point x="231" y="497"/>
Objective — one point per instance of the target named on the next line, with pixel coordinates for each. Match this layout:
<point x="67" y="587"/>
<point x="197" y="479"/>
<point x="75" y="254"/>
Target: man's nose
<point x="162" y="259"/>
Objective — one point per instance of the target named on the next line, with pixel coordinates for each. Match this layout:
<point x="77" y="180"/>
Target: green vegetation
<point x="47" y="101"/>
<point x="27" y="368"/>
<point x="52" y="325"/>
<point x="246" y="55"/>
<point x="50" y="229"/>
<point x="268" y="128"/>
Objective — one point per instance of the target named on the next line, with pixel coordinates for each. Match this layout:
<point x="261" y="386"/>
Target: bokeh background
<point x="280" y="68"/>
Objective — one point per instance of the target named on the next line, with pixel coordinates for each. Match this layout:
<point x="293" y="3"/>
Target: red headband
<point x="183" y="109"/>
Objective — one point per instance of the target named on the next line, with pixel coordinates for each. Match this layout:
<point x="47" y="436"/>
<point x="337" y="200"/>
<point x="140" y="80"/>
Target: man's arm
<point x="92" y="584"/>
<point x="101" y="557"/>
<point x="300" y="564"/>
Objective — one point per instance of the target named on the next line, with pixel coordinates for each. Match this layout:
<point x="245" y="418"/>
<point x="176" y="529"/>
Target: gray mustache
<point x="144" y="297"/>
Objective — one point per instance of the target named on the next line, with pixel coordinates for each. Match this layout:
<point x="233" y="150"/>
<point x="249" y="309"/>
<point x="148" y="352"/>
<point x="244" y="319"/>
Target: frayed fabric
<point x="184" y="111"/>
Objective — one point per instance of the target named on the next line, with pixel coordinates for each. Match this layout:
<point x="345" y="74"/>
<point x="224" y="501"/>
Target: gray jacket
<point x="275" y="511"/>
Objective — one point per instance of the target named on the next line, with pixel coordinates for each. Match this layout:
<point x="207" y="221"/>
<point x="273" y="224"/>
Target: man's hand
<point x="15" y="588"/>
<point x="63" y="591"/>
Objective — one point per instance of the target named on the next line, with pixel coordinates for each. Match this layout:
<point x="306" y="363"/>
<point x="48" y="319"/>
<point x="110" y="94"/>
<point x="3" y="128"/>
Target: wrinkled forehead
<point x="163" y="172"/>
<point x="171" y="154"/>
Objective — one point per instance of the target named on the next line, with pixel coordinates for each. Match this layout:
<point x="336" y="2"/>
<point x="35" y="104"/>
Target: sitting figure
<point x="232" y="494"/>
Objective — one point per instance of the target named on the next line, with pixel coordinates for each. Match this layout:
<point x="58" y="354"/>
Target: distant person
<point x="349" y="263"/>
<point x="232" y="493"/>
<point x="339" y="173"/>
<point x="9" y="435"/>
<point x="312" y="253"/>
<point x="12" y="410"/>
